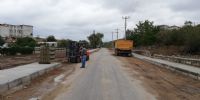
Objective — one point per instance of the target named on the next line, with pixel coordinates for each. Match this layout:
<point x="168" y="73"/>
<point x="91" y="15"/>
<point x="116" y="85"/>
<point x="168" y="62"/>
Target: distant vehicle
<point x="123" y="47"/>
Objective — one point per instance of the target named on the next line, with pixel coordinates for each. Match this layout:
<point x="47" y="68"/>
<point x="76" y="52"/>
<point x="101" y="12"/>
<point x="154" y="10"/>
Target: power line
<point x="125" y="23"/>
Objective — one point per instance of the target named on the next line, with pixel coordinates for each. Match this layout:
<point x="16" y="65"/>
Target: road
<point x="103" y="79"/>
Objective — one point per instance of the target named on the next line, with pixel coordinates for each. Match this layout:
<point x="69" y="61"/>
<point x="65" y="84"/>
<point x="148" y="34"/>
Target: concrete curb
<point x="17" y="84"/>
<point x="174" y="69"/>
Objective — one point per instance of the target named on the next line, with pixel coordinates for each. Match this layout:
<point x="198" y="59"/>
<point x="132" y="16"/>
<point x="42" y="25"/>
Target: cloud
<point x="76" y="19"/>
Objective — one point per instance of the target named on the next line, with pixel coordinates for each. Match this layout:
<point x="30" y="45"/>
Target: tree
<point x="51" y="38"/>
<point x="26" y="41"/>
<point x="187" y="37"/>
<point x="2" y="41"/>
<point x="63" y="43"/>
<point x="188" y="23"/>
<point x="96" y="39"/>
<point x="144" y="33"/>
<point x="85" y="43"/>
<point x="108" y="44"/>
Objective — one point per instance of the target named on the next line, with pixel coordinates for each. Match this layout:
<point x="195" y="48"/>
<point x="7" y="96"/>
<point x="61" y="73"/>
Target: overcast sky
<point x="76" y="19"/>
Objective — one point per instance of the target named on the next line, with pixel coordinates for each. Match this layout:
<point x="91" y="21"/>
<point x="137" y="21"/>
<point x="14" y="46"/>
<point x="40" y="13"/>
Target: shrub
<point x="16" y="49"/>
<point x="13" y="50"/>
<point x="26" y="50"/>
<point x="26" y="41"/>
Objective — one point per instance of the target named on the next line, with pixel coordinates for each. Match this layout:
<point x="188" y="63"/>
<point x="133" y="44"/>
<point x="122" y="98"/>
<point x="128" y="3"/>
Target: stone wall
<point x="188" y="61"/>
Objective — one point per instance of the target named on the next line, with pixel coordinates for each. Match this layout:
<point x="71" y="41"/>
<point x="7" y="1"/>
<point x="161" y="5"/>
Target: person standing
<point x="83" y="56"/>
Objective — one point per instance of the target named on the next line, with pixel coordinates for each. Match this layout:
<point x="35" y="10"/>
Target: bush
<point x="16" y="49"/>
<point x="187" y="36"/>
<point x="13" y="50"/>
<point x="26" y="50"/>
<point x="26" y="41"/>
<point x="144" y="33"/>
<point x="192" y="40"/>
<point x="2" y="41"/>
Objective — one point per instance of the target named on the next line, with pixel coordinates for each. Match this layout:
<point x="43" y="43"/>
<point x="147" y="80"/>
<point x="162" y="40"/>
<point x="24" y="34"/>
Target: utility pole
<point x="112" y="35"/>
<point x="117" y="31"/>
<point x="94" y="32"/>
<point x="112" y="40"/>
<point x="125" y="23"/>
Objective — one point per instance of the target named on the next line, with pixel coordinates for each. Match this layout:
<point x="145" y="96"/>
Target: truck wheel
<point x="78" y="60"/>
<point x="130" y="55"/>
<point x="116" y="53"/>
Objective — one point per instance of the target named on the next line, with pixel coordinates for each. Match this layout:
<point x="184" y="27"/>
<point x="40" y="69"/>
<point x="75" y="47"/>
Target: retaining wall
<point x="192" y="73"/>
<point x="188" y="61"/>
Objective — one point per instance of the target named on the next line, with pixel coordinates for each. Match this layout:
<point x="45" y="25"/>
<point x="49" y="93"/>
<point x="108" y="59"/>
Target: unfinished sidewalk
<point x="11" y="79"/>
<point x="182" y="68"/>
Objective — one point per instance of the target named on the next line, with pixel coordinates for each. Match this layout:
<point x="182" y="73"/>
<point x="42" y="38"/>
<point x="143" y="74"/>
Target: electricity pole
<point x="112" y="35"/>
<point x="112" y="40"/>
<point x="125" y="23"/>
<point x="117" y="31"/>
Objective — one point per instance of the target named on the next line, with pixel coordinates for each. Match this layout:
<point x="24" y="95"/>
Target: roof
<point x="15" y="25"/>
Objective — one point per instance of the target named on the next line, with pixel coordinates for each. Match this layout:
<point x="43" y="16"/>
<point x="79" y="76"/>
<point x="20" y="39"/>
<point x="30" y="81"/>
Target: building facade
<point x="166" y="27"/>
<point x="7" y="30"/>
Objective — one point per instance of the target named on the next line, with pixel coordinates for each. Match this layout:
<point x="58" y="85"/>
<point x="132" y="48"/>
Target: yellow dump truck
<point x="123" y="47"/>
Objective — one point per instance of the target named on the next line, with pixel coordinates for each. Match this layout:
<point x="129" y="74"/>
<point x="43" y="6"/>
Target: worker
<point x="83" y="56"/>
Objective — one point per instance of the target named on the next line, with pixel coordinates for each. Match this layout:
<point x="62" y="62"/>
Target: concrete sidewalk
<point x="93" y="50"/>
<point x="177" y="66"/>
<point x="22" y="75"/>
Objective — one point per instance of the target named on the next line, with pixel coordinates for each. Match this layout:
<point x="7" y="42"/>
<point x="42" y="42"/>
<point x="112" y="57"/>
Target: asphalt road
<point x="104" y="79"/>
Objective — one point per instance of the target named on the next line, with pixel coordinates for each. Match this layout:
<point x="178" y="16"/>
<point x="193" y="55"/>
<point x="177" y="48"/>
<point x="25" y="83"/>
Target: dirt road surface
<point x="109" y="77"/>
<point x="103" y="79"/>
<point x="164" y="83"/>
<point x="13" y="61"/>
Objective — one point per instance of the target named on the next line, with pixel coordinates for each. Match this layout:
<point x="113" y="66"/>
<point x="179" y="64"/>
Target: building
<point x="166" y="27"/>
<point x="50" y="44"/>
<point x="163" y="27"/>
<point x="7" y="30"/>
<point x="174" y="27"/>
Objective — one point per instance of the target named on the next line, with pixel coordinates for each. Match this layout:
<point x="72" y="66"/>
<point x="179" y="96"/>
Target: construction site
<point x="107" y="76"/>
<point x="99" y="50"/>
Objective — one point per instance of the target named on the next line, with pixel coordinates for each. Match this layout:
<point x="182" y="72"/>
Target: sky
<point x="76" y="19"/>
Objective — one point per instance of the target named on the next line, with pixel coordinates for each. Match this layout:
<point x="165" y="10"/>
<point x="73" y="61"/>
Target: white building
<point x="7" y="30"/>
<point x="174" y="27"/>
<point x="163" y="27"/>
<point x="50" y="44"/>
<point x="166" y="27"/>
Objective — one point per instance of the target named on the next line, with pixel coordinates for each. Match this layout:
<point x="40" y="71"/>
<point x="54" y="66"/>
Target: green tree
<point x="188" y="23"/>
<point x="187" y="37"/>
<point x="85" y="43"/>
<point x="192" y="37"/>
<point x="51" y="38"/>
<point x="26" y="41"/>
<point x="108" y="44"/>
<point x="63" y="43"/>
<point x="96" y="39"/>
<point x="1" y="41"/>
<point x="144" y="33"/>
